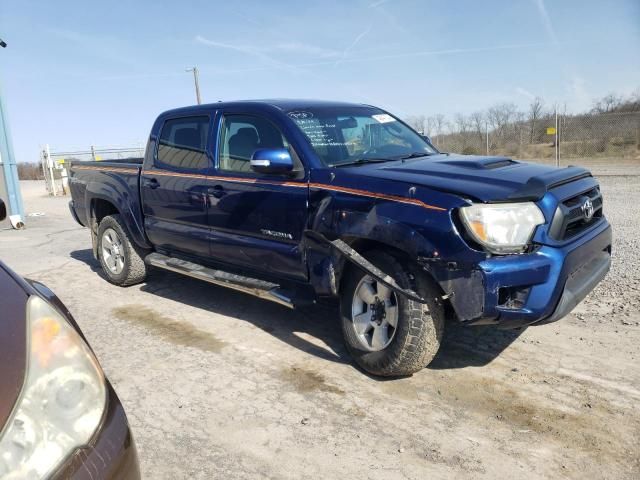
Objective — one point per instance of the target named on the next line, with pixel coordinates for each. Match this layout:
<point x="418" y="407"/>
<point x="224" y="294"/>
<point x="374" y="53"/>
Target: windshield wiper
<point x="361" y="161"/>
<point x="416" y="155"/>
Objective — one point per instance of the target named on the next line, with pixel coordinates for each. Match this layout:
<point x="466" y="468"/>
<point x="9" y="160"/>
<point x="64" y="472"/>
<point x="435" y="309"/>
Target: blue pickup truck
<point x="294" y="201"/>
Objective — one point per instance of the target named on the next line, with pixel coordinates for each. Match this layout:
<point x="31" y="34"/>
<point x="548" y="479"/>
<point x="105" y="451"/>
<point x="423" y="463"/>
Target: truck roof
<point x="283" y="104"/>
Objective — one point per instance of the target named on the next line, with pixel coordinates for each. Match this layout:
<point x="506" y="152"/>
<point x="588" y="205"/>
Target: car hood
<point x="13" y="343"/>
<point x="487" y="179"/>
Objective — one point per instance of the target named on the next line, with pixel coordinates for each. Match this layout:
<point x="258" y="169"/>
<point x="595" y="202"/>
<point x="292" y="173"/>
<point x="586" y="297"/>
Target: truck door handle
<point x="216" y="191"/>
<point x="151" y="183"/>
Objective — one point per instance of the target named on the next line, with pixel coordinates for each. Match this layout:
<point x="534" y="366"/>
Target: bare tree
<point x="428" y="129"/>
<point x="501" y="115"/>
<point x="519" y="123"/>
<point x="439" y="123"/>
<point x="535" y="113"/>
<point x="29" y="171"/>
<point x="607" y="104"/>
<point x="635" y="100"/>
<point x="461" y="126"/>
<point x="478" y="125"/>
<point x="631" y="103"/>
<point x="510" y="129"/>
<point x="435" y="126"/>
<point x="417" y="123"/>
<point x="461" y="123"/>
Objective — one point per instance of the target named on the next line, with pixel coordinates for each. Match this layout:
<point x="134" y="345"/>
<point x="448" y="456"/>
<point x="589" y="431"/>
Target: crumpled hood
<point x="481" y="178"/>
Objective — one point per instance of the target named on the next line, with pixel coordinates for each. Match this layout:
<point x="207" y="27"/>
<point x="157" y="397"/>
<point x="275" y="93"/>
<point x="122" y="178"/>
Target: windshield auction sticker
<point x="383" y="118"/>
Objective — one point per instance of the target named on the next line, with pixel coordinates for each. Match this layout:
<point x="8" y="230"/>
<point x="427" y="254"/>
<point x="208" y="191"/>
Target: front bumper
<point x="579" y="284"/>
<point x="547" y="284"/>
<point x="112" y="453"/>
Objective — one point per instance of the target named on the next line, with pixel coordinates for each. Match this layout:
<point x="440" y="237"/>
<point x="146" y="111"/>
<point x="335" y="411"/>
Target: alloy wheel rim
<point x="374" y="314"/>
<point x="112" y="251"/>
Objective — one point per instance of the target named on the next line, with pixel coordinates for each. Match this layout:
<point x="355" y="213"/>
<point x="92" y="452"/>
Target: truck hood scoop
<point x="486" y="163"/>
<point x="488" y="179"/>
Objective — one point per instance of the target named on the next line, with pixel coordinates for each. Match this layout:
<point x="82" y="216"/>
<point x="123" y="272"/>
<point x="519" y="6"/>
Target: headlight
<point x="62" y="399"/>
<point x="502" y="227"/>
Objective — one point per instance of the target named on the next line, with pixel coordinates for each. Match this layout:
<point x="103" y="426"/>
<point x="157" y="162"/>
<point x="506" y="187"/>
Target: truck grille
<point x="571" y="216"/>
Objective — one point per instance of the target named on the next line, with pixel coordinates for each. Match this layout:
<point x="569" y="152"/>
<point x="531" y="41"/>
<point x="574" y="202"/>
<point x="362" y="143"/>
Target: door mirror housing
<point x="3" y="210"/>
<point x="275" y="161"/>
<point x="427" y="139"/>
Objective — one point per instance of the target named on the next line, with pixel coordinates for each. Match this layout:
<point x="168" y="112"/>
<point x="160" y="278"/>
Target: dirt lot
<point x="219" y="384"/>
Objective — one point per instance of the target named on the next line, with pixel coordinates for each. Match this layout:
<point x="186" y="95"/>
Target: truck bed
<point x="93" y="183"/>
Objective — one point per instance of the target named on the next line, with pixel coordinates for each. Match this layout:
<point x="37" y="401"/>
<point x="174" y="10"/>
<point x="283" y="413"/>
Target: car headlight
<point x="62" y="399"/>
<point x="502" y="227"/>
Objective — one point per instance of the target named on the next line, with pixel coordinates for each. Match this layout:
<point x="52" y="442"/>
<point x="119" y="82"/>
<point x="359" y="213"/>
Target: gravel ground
<point x="219" y="384"/>
<point x="618" y="299"/>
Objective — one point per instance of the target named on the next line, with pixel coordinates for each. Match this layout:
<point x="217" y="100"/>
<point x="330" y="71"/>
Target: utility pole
<point x="557" y="137"/>
<point x="9" y="186"/>
<point x="195" y="81"/>
<point x="486" y="126"/>
<point x="54" y="190"/>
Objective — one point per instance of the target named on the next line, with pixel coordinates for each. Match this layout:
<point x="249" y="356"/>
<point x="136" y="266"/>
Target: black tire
<point x="419" y="328"/>
<point x="134" y="270"/>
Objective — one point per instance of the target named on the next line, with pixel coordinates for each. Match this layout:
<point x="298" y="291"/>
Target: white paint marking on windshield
<point x="300" y="115"/>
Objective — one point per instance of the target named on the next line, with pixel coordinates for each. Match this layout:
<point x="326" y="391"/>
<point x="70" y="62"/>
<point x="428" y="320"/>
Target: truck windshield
<point x="356" y="135"/>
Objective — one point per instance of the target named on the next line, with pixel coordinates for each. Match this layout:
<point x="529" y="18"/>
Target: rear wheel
<point x="122" y="261"/>
<point x="386" y="333"/>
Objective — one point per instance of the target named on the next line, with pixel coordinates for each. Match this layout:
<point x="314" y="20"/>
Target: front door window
<point x="241" y="136"/>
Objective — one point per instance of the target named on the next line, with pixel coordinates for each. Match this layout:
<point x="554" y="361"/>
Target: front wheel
<point x="386" y="333"/>
<point x="121" y="259"/>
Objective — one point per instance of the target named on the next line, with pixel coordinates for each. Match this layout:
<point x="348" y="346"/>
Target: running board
<point x="253" y="286"/>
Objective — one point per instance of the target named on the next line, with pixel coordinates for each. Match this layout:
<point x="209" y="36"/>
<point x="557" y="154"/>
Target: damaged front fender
<point x="464" y="288"/>
<point x="363" y="264"/>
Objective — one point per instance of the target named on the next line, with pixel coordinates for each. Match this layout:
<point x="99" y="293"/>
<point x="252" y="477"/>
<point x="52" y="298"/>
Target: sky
<point x="81" y="73"/>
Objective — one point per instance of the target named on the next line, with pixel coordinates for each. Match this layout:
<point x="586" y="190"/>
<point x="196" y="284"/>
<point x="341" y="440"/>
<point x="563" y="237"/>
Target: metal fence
<point x="558" y="138"/>
<point x="55" y="163"/>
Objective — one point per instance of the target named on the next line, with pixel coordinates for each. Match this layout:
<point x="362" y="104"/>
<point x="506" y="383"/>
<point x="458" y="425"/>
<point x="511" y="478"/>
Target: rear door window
<point x="183" y="143"/>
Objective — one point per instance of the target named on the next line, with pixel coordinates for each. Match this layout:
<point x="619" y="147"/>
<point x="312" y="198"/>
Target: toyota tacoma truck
<point x="294" y="201"/>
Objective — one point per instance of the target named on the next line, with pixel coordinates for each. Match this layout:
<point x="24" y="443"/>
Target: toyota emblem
<point x="587" y="209"/>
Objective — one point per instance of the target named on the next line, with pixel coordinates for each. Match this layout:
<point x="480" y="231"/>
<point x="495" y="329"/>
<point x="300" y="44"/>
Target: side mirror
<point x="427" y="139"/>
<point x="3" y="210"/>
<point x="276" y="161"/>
